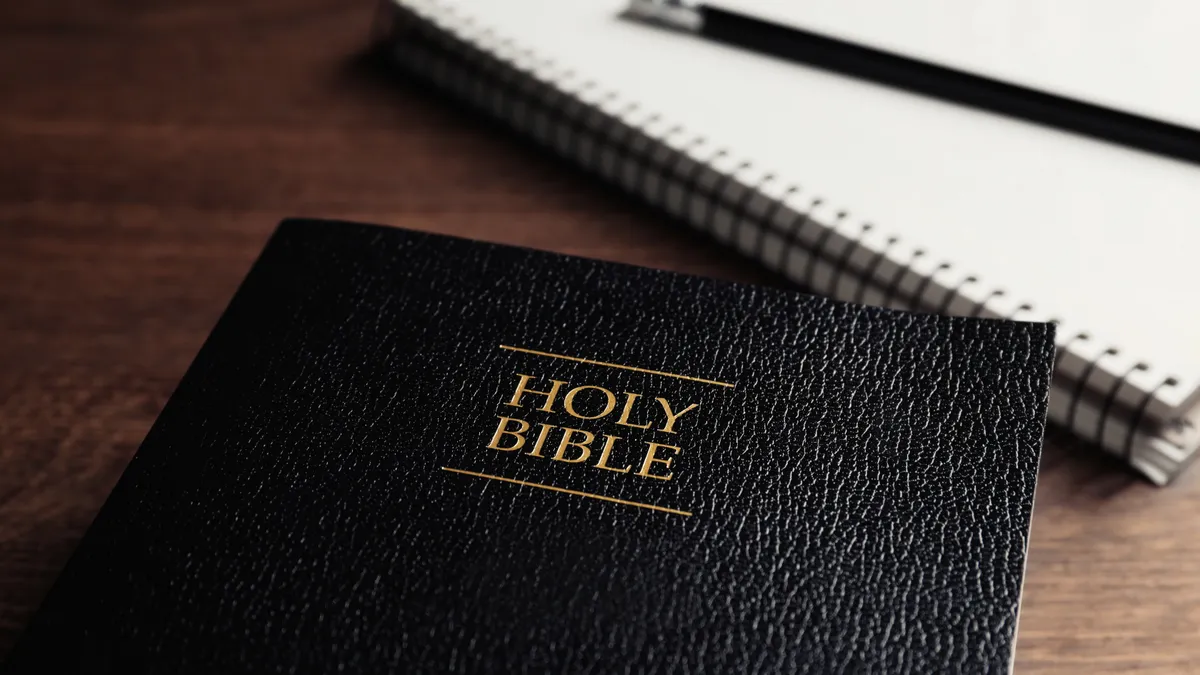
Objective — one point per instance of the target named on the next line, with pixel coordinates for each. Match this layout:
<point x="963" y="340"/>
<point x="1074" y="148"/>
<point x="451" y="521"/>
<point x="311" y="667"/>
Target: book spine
<point x="1100" y="394"/>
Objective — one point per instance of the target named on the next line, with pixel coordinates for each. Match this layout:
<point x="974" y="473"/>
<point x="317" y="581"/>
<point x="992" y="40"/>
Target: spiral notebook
<point x="862" y="193"/>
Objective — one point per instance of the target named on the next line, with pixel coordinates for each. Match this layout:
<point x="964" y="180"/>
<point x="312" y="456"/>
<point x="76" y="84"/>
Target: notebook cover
<point x="758" y="481"/>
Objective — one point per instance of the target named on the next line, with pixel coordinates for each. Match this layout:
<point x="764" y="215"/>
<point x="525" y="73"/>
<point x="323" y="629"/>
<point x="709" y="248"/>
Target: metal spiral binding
<point x="892" y="287"/>
<point x="1136" y="422"/>
<point x="740" y="218"/>
<point x="712" y="199"/>
<point x="979" y="306"/>
<point x="872" y="266"/>
<point x="955" y="292"/>
<point x="919" y="299"/>
<point x="621" y="136"/>
<point x="841" y="265"/>
<point x="774" y="208"/>
<point x="817" y="248"/>
<point x="688" y="177"/>
<point x="692" y="179"/>
<point x="642" y="158"/>
<point x="1080" y="384"/>
<point x="662" y="194"/>
<point x="793" y="243"/>
<point x="1111" y="397"/>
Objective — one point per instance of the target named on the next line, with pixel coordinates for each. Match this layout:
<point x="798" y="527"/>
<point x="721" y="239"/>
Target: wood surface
<point x="146" y="151"/>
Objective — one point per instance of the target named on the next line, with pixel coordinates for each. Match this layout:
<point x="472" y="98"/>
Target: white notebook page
<point x="1099" y="235"/>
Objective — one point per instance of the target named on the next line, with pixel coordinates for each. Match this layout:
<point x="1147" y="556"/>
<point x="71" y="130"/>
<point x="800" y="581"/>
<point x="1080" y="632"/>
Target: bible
<point x="403" y="452"/>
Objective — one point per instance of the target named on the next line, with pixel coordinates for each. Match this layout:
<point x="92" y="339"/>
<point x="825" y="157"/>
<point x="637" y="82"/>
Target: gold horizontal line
<point x="570" y="492"/>
<point x="617" y="365"/>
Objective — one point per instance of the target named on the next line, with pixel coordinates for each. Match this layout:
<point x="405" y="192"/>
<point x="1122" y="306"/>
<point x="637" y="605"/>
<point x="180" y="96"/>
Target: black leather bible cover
<point x="400" y="452"/>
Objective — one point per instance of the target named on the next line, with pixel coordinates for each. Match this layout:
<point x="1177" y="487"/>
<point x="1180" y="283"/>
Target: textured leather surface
<point x="859" y="501"/>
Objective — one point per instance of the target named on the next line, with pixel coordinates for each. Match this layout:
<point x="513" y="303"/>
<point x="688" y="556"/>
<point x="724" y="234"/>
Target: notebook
<point x="862" y="192"/>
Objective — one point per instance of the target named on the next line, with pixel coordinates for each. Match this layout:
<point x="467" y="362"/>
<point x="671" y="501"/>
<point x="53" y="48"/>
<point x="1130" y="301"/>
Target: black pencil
<point x="947" y="84"/>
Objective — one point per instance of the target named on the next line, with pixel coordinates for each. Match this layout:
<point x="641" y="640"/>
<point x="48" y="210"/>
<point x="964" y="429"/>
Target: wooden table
<point x="147" y="150"/>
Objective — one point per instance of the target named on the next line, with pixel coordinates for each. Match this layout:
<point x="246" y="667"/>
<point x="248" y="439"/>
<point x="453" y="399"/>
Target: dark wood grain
<point x="147" y="150"/>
